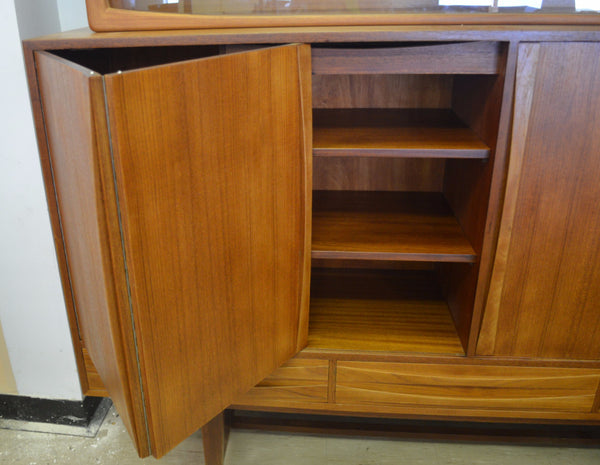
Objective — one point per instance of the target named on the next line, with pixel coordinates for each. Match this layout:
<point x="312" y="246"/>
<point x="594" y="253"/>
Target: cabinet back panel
<point x="382" y="91"/>
<point x="407" y="58"/>
<point x="378" y="174"/>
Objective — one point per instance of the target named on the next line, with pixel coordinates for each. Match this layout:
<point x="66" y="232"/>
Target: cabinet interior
<point x="112" y="60"/>
<point x="404" y="136"/>
<point x="402" y="159"/>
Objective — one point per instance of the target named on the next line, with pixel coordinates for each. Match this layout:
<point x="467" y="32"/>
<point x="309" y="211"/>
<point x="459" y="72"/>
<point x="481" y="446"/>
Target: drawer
<point x="299" y="380"/>
<point x="435" y="58"/>
<point x="467" y="386"/>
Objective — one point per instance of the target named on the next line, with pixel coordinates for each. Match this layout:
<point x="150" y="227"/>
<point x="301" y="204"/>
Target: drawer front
<point x="467" y="386"/>
<point x="299" y="380"/>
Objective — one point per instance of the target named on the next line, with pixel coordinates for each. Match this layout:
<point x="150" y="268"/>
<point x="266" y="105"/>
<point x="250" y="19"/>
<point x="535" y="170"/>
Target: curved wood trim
<point x="496" y="198"/>
<point x="103" y="18"/>
<point x="527" y="60"/>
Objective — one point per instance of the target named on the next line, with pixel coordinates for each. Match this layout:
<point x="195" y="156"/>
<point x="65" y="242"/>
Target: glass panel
<point x="291" y="7"/>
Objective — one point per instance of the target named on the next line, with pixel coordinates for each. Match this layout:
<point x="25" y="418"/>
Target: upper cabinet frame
<point x="104" y="17"/>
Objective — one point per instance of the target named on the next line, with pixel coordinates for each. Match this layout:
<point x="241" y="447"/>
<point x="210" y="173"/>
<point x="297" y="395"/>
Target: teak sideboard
<point x="369" y="221"/>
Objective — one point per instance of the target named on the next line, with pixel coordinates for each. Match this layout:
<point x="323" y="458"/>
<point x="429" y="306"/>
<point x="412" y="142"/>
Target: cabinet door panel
<point x="72" y="98"/>
<point x="212" y="164"/>
<point x="544" y="298"/>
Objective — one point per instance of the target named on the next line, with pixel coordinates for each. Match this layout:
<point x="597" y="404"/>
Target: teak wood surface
<point x="217" y="306"/>
<point x="559" y="177"/>
<point x="471" y="58"/>
<point x="214" y="440"/>
<point x="387" y="226"/>
<point x="378" y="174"/>
<point x="103" y="17"/>
<point x="380" y="311"/>
<point x="302" y="379"/>
<point x="159" y="330"/>
<point x="543" y="301"/>
<point x="74" y="116"/>
<point x="394" y="91"/>
<point x="467" y="387"/>
<point x="394" y="133"/>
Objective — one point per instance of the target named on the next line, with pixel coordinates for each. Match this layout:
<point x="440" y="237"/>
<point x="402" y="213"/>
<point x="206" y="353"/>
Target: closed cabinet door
<point x="544" y="299"/>
<point x="184" y="191"/>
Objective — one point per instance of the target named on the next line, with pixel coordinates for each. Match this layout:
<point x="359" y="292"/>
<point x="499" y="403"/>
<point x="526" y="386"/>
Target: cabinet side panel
<point x="210" y="159"/>
<point x="72" y="101"/>
<point x="40" y="129"/>
<point x="547" y="294"/>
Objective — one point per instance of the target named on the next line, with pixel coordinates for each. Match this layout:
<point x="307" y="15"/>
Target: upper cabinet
<point x="129" y="15"/>
<point x="185" y="190"/>
<point x="545" y="289"/>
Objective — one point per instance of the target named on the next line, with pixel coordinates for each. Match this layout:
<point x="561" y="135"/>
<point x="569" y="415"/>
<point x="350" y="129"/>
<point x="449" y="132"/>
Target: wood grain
<point x="387" y="226"/>
<point x="299" y="380"/>
<point x="378" y="174"/>
<point x="496" y="195"/>
<point x="306" y="137"/>
<point x="547" y="274"/>
<point x="394" y="133"/>
<point x="215" y="252"/>
<point x="382" y="90"/>
<point x="75" y="122"/>
<point x="452" y="58"/>
<point x="95" y="386"/>
<point x="528" y="57"/>
<point x="380" y="311"/>
<point x="214" y="440"/>
<point x="493" y="388"/>
<point x="85" y="38"/>
<point x="477" y="100"/>
<point x="102" y="17"/>
<point x="53" y="210"/>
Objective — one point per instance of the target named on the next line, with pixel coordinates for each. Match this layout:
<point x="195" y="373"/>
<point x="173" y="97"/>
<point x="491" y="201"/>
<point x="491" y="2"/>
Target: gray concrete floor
<point x="113" y="446"/>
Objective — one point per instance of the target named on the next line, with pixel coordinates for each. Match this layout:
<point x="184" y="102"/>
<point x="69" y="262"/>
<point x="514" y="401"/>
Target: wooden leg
<point x="214" y="440"/>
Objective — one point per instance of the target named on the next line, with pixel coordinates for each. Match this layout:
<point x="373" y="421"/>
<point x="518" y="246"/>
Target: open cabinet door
<point x="206" y="243"/>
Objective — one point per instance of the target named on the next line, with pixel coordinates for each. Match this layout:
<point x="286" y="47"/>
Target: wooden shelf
<point x="413" y="133"/>
<point x="403" y="226"/>
<point x="380" y="311"/>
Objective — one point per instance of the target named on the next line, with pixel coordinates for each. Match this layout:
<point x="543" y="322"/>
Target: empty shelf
<point x="394" y="133"/>
<point x="380" y="311"/>
<point x="403" y="226"/>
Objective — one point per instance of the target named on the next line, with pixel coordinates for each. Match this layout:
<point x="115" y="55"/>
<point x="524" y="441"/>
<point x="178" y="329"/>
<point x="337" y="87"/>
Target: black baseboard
<point x="48" y="415"/>
<point x="58" y="412"/>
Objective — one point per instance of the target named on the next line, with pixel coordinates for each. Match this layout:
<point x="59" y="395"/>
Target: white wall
<point x="32" y="309"/>
<point x="36" y="17"/>
<point x="72" y="14"/>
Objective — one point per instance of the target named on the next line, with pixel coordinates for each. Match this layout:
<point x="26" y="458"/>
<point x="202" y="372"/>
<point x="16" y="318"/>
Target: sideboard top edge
<point x="86" y="38"/>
